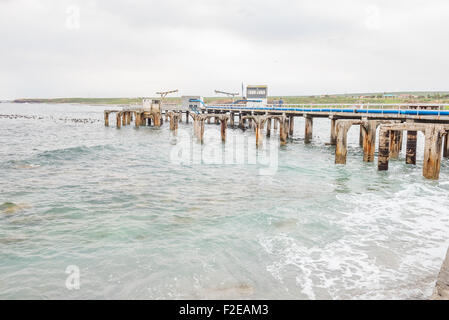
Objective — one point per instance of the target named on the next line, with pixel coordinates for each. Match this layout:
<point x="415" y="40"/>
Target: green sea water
<point x="138" y="225"/>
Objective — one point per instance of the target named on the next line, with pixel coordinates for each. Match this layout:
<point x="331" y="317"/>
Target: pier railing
<point x="387" y="109"/>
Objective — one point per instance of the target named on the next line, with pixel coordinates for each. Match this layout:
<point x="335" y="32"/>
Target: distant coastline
<point x="393" y="97"/>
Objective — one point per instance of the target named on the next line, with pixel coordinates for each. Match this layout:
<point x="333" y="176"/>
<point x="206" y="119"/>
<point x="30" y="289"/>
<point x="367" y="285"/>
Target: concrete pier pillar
<point x="269" y="127"/>
<point x="291" y="125"/>
<point x="137" y="122"/>
<point x="259" y="135"/>
<point x="106" y="119"/>
<point x="361" y="133"/>
<point x="172" y="121"/>
<point x="201" y="131"/>
<point x="333" y="138"/>
<point x="157" y="118"/>
<point x="432" y="152"/>
<point x="384" y="150"/>
<point x="119" y="119"/>
<point x="308" y="129"/>
<point x="217" y="118"/>
<point x="224" y="124"/>
<point x="369" y="140"/>
<point x="395" y="139"/>
<point x="446" y="145"/>
<point x="282" y="131"/>
<point x="410" y="157"/>
<point x="341" y="148"/>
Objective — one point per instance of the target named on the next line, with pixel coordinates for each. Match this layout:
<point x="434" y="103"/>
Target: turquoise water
<point x="140" y="226"/>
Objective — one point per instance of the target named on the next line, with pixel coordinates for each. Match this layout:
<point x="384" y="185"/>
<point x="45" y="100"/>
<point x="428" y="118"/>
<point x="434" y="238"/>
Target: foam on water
<point x="140" y="226"/>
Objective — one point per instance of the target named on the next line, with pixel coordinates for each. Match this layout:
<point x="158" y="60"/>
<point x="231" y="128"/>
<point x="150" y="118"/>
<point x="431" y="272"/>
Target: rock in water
<point x="9" y="207"/>
<point x="442" y="286"/>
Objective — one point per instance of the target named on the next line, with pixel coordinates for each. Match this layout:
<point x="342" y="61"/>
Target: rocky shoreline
<point x="441" y="291"/>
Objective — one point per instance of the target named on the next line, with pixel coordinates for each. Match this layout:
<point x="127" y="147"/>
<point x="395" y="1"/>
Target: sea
<point x="95" y="212"/>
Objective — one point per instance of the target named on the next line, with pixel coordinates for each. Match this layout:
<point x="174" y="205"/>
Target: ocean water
<point x="114" y="204"/>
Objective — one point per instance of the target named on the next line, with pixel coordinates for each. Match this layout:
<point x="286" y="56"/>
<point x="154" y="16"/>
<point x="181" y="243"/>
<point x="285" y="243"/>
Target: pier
<point x="395" y="122"/>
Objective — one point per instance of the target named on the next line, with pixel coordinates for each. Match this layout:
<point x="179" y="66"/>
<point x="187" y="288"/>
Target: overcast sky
<point x="112" y="48"/>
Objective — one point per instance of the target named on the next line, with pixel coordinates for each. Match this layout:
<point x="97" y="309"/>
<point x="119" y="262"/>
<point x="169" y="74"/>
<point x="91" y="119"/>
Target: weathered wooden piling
<point x="384" y="149"/>
<point x="123" y="118"/>
<point x="128" y="118"/>
<point x="283" y="130"/>
<point x="333" y="138"/>
<point x="187" y="116"/>
<point x="410" y="157"/>
<point x="268" y="127"/>
<point x="291" y="125"/>
<point x="369" y="139"/>
<point x="119" y="119"/>
<point x="308" y="129"/>
<point x="432" y="151"/>
<point x="232" y="116"/>
<point x="446" y="145"/>
<point x="361" y="136"/>
<point x="395" y="143"/>
<point x="341" y="148"/>
<point x="106" y="119"/>
<point x="137" y="122"/>
<point x="223" y="121"/>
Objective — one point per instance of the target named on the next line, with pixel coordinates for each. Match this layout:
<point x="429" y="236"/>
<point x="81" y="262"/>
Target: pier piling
<point x="395" y="143"/>
<point x="333" y="138"/>
<point x="308" y="129"/>
<point x="410" y="157"/>
<point x="369" y="139"/>
<point x="432" y="152"/>
<point x="106" y="119"/>
<point x="341" y="149"/>
<point x="384" y="149"/>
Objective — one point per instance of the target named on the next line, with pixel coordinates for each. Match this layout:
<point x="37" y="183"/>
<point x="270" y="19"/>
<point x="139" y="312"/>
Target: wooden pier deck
<point x="392" y="120"/>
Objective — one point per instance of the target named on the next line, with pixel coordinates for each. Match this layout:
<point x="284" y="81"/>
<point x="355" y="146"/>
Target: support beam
<point x="432" y="152"/>
<point x="106" y="119"/>
<point x="187" y="116"/>
<point x="269" y="127"/>
<point x="384" y="150"/>
<point x="224" y="124"/>
<point x="395" y="139"/>
<point x="333" y="139"/>
<point x="291" y="125"/>
<point x="341" y="149"/>
<point x="137" y="122"/>
<point x="118" y="118"/>
<point x="446" y="145"/>
<point x="361" y="133"/>
<point x="308" y="129"/>
<point x="282" y="131"/>
<point x="369" y="139"/>
<point x="410" y="157"/>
